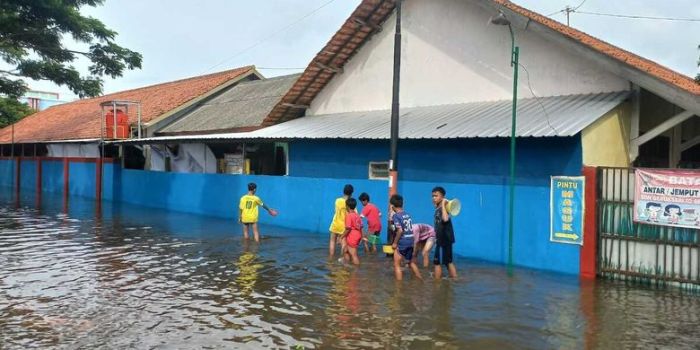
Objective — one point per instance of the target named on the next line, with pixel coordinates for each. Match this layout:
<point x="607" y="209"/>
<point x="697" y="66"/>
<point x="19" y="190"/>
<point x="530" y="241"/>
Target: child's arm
<point x="397" y="237"/>
<point x="445" y="214"/>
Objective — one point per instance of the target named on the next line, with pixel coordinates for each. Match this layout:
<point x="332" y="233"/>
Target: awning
<point x="556" y="116"/>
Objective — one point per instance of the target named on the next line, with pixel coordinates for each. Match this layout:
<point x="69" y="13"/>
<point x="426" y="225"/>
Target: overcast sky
<point x="183" y="38"/>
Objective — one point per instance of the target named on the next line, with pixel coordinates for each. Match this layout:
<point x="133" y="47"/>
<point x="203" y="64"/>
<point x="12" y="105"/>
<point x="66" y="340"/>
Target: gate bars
<point x="638" y="252"/>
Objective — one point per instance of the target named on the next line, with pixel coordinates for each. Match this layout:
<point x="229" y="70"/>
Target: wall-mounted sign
<point x="667" y="197"/>
<point x="567" y="195"/>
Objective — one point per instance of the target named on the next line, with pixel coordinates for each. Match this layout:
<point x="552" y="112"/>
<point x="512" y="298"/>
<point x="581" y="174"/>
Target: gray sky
<point x="179" y="38"/>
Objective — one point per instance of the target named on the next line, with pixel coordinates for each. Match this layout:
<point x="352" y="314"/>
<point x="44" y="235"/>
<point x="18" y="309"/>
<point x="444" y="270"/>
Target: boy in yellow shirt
<point x="338" y="224"/>
<point x="248" y="211"/>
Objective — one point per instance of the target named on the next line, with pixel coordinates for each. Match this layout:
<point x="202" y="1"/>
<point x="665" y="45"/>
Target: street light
<point x="501" y="20"/>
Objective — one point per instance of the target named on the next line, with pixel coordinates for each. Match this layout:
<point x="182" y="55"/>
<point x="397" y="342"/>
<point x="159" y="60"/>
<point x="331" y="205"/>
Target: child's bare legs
<point x="397" y="265"/>
<point x="352" y="252"/>
<point x="364" y="239"/>
<point x="414" y="268"/>
<point x="426" y="252"/>
<point x="245" y="231"/>
<point x="256" y="234"/>
<point x="452" y="270"/>
<point x="331" y="245"/>
<point x="438" y="272"/>
<point x="343" y="247"/>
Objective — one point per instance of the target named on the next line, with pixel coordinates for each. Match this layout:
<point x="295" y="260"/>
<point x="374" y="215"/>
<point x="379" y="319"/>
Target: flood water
<point x="135" y="277"/>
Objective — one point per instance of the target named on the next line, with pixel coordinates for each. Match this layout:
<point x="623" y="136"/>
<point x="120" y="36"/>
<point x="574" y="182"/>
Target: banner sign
<point x="567" y="203"/>
<point x="667" y="197"/>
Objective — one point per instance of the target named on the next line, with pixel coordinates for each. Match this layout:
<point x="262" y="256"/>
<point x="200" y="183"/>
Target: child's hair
<point x="667" y="211"/>
<point x="439" y="189"/>
<point x="351" y="203"/>
<point x="348" y="190"/>
<point x="652" y="204"/>
<point x="396" y="200"/>
<point x="363" y="197"/>
<point x="252" y="186"/>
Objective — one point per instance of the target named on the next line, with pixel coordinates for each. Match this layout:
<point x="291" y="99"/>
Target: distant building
<point x="41" y="100"/>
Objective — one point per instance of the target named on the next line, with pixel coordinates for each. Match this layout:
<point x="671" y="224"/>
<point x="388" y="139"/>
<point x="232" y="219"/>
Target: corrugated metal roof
<point x="244" y="105"/>
<point x="543" y="117"/>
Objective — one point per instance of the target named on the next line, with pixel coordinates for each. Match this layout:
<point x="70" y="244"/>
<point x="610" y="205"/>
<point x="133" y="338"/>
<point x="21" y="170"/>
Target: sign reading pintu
<point x="567" y="209"/>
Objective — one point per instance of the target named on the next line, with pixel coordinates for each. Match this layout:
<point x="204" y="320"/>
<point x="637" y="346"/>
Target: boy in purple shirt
<point x="403" y="241"/>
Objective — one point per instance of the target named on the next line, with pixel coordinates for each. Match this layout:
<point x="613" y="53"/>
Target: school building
<point x="583" y="104"/>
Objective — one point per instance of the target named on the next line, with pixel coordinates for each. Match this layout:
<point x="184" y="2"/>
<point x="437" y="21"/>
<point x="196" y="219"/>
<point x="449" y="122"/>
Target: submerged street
<point x="145" y="278"/>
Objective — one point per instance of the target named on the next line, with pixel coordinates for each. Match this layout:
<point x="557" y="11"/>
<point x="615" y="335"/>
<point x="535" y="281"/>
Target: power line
<point x="546" y="114"/>
<point x="640" y="17"/>
<point x="280" y="68"/>
<point x="256" y="44"/>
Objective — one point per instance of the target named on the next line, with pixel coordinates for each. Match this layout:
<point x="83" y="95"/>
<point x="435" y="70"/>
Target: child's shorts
<point x="354" y="238"/>
<point x="443" y="255"/>
<point x="406" y="250"/>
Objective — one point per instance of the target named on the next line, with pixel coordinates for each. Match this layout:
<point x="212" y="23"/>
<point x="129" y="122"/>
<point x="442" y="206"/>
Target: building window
<point x="378" y="170"/>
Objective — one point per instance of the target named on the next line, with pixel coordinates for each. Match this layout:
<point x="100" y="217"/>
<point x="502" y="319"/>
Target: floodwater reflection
<point x="134" y="277"/>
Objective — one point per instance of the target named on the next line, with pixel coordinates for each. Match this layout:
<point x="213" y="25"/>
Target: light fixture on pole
<point x="502" y="20"/>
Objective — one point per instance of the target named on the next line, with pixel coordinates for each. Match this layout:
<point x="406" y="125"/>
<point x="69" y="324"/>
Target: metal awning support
<point x="690" y="143"/>
<point x="659" y="129"/>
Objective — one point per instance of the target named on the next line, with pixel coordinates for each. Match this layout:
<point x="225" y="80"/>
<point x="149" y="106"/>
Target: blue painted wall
<point x="7" y="172"/>
<point x="474" y="171"/>
<point x="52" y="176"/>
<point x="475" y="161"/>
<point x="27" y="175"/>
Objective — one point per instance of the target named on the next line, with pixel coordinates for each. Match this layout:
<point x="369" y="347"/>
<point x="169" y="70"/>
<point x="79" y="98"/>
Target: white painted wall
<point x="450" y="54"/>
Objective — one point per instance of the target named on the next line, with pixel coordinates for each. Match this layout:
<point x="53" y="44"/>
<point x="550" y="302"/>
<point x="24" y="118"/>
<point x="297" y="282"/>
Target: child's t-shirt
<point x="422" y="232"/>
<point x="444" y="233"/>
<point x="249" y="207"/>
<point x="371" y="212"/>
<point x="353" y="222"/>
<point x="338" y="223"/>
<point x="403" y="220"/>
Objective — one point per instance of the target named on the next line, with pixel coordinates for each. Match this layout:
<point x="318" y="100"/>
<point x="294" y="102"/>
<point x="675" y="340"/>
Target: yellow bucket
<point x="387" y="249"/>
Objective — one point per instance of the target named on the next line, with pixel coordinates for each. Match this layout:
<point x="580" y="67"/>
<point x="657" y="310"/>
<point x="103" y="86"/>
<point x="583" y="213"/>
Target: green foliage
<point x="12" y="111"/>
<point x="31" y="35"/>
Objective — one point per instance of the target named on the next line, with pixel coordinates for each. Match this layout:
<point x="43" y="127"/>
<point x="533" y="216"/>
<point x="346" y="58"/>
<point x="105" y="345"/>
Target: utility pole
<point x="394" y="143"/>
<point x="568" y="10"/>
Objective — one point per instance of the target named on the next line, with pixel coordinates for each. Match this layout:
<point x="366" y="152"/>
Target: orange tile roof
<point x="351" y="36"/>
<point x="81" y="119"/>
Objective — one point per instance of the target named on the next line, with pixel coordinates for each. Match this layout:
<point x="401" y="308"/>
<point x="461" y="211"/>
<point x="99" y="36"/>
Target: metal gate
<point x="637" y="252"/>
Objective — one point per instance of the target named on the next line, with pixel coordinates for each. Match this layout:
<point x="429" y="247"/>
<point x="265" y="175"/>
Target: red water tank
<point x="122" y="125"/>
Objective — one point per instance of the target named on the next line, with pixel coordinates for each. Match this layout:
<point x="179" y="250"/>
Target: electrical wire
<point x="280" y="68"/>
<point x="261" y="41"/>
<point x="579" y="6"/>
<point x="527" y="74"/>
<point x="640" y="17"/>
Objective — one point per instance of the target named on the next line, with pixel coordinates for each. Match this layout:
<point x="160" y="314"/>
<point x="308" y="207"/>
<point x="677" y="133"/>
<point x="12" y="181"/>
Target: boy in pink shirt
<point x="374" y="225"/>
<point x="353" y="231"/>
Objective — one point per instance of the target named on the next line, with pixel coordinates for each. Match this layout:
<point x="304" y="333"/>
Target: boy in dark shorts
<point x="445" y="235"/>
<point x="403" y="241"/>
<point x="374" y="225"/>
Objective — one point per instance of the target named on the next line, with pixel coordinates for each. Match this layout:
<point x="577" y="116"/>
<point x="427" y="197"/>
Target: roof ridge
<point x="279" y="77"/>
<point x="91" y="99"/>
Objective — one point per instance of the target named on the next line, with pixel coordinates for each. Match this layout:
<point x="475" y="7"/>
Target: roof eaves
<point x="336" y="53"/>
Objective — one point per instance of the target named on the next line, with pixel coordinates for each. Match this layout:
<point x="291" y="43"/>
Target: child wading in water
<point x="248" y="211"/>
<point x="403" y="241"/>
<point x="353" y="232"/>
<point x="444" y="233"/>
<point x="337" y="227"/>
<point x="374" y="225"/>
<point x="424" y="237"/>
